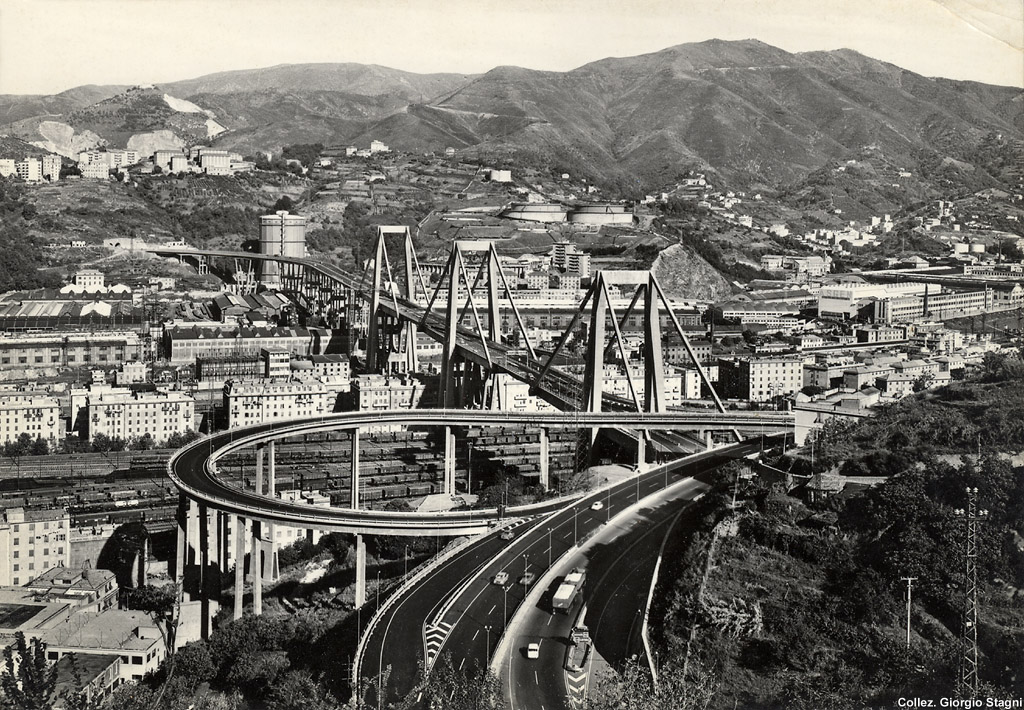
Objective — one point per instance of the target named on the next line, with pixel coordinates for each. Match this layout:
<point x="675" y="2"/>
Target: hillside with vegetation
<point x="796" y="604"/>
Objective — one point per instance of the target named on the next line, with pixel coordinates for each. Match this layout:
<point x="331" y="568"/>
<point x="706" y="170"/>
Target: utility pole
<point x="967" y="679"/>
<point x="910" y="584"/>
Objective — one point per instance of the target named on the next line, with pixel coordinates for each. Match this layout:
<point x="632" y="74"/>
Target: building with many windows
<point x="36" y="350"/>
<point x="122" y="414"/>
<point x="131" y="637"/>
<point x="87" y="589"/>
<point x="759" y="379"/>
<point x="184" y="344"/>
<point x="256" y="402"/>
<point x="31" y="542"/>
<point x="37" y="415"/>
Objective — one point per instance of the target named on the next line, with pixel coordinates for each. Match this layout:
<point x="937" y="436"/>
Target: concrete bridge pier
<point x="272" y="492"/>
<point x="241" y="532"/>
<point x="449" y="461"/>
<point x="360" y="571"/>
<point x="545" y="458"/>
<point x="641" y="452"/>
<point x="354" y="496"/>
<point x="256" y="567"/>
<point x="198" y="565"/>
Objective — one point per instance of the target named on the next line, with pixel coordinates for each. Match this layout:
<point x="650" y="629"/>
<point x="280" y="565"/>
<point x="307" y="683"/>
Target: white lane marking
<point x="492" y="609"/>
<point x="535" y="678"/>
<point x="475" y="634"/>
<point x="462" y="663"/>
<point x="550" y="618"/>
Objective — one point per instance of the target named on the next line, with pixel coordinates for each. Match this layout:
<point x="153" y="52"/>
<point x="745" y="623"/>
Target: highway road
<point x="619" y="566"/>
<point x="190" y="467"/>
<point x="462" y="628"/>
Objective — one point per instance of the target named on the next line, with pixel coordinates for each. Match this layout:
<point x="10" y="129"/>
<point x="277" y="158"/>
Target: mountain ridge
<point x="745" y="110"/>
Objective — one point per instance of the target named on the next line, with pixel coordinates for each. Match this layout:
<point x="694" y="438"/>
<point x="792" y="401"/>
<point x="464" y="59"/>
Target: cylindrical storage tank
<point x="281" y="234"/>
<point x="535" y="212"/>
<point x="601" y="214"/>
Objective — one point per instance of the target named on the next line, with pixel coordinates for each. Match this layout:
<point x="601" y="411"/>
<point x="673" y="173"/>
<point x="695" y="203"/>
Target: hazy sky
<point x="47" y="46"/>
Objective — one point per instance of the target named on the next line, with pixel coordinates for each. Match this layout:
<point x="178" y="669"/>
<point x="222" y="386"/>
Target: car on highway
<point x="533" y="650"/>
<point x="500" y="578"/>
<point x="597" y="506"/>
<point x="507" y="535"/>
<point x="527" y="579"/>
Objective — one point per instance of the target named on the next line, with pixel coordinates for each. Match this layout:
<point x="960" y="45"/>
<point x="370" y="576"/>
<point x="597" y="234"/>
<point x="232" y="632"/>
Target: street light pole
<point x="487" y="648"/>
<point x="406" y="561"/>
<point x="549" y="547"/>
<point x="575" y="536"/>
<point x="469" y="469"/>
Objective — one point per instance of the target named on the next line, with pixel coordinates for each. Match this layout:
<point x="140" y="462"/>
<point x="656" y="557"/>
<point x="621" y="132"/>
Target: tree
<point x="296" y="690"/>
<point x="27" y="680"/>
<point x="632" y="689"/>
<point x="284" y="203"/>
<point x="475" y="688"/>
<point x="40" y="447"/>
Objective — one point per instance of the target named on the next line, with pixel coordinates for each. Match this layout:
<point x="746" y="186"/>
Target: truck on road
<point x="568" y="591"/>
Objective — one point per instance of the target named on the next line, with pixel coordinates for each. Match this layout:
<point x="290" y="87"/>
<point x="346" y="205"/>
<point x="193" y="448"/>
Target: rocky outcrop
<point x="684" y="274"/>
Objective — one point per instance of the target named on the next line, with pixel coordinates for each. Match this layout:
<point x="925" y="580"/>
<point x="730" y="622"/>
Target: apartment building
<point x="566" y="256"/>
<point x="31" y="542"/>
<point x="256" y="402"/>
<point x="29" y="169"/>
<point x="759" y="379"/>
<point x="37" y="415"/>
<point x="377" y="392"/>
<point x="673" y="349"/>
<point x="7" y="167"/>
<point x="94" y="171"/>
<point x="51" y="165"/>
<point x="126" y="415"/>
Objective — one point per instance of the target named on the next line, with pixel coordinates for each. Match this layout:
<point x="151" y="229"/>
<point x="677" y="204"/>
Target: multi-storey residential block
<point x="7" y="167"/>
<point x="122" y="414"/>
<point x="31" y="542"/>
<point x="29" y="169"/>
<point x="89" y="279"/>
<point x="566" y="256"/>
<point x="37" y="415"/>
<point x="377" y="392"/>
<point x="759" y="379"/>
<point x="51" y="166"/>
<point x="94" y="171"/>
<point x="256" y="402"/>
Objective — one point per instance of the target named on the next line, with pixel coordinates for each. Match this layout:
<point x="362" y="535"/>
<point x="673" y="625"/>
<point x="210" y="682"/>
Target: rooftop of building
<point x="35" y="515"/>
<point x="225" y="332"/>
<point x="60" y="579"/>
<point x="107" y="630"/>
